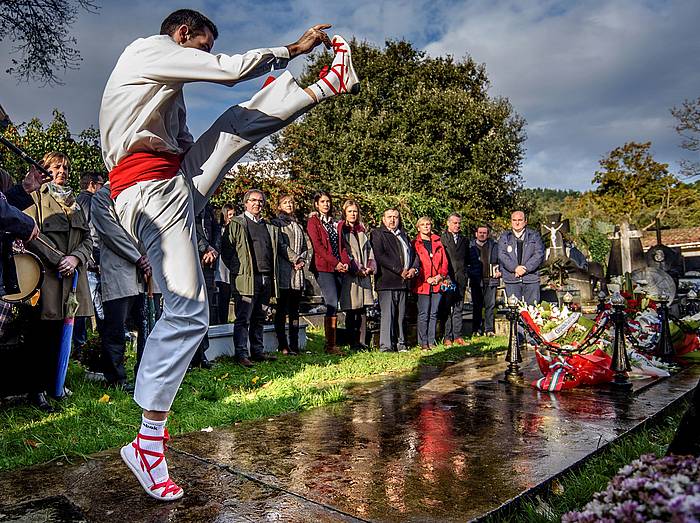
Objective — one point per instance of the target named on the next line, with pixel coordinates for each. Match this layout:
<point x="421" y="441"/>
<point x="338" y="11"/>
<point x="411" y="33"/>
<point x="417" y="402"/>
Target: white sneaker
<point x="136" y="458"/>
<point x="340" y="77"/>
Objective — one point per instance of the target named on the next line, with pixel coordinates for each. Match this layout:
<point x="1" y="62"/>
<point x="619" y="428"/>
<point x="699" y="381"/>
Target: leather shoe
<point x="244" y="362"/>
<point x="425" y="347"/>
<point x="204" y="363"/>
<point x="41" y="402"/>
<point x="124" y="386"/>
<point x="460" y="341"/>
<point x="263" y="357"/>
<point x="448" y="343"/>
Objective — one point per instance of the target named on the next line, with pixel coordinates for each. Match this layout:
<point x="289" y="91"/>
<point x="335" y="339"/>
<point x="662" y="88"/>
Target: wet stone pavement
<point x="446" y="444"/>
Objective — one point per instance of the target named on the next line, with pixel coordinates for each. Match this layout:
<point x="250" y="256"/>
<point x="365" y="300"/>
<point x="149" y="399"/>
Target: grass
<point x="576" y="488"/>
<point x="89" y="421"/>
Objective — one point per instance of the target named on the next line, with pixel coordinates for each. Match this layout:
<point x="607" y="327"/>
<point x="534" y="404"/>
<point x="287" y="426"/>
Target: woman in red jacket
<point x="330" y="261"/>
<point x="433" y="270"/>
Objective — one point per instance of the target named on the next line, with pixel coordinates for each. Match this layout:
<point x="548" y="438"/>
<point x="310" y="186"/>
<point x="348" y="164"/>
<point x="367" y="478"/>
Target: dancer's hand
<point x="309" y="40"/>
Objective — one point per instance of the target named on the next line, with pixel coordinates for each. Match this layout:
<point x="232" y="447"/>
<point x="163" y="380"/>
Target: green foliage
<point x="688" y="127"/>
<point x="540" y="202"/>
<point x="634" y="186"/>
<point x="420" y="126"/>
<point x="36" y="140"/>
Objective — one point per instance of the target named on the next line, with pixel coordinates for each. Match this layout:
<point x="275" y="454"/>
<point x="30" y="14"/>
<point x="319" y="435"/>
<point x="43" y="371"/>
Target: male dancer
<point x="161" y="179"/>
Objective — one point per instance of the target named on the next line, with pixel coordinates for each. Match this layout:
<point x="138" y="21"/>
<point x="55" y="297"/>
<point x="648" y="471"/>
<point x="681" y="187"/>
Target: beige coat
<point x="69" y="234"/>
<point x="356" y="291"/>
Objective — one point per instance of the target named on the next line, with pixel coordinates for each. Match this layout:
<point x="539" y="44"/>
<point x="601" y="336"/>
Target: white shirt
<point x="143" y="109"/>
<point x="251" y="217"/>
<point x="406" y="251"/>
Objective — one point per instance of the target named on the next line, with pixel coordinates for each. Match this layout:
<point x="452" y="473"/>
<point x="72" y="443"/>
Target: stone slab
<point x="443" y="445"/>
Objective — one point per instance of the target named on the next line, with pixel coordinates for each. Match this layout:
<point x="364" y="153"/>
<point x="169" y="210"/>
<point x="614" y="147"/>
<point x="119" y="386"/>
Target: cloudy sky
<point x="588" y="76"/>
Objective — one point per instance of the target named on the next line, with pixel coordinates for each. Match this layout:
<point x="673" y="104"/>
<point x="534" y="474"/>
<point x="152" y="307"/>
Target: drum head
<point x="30" y="276"/>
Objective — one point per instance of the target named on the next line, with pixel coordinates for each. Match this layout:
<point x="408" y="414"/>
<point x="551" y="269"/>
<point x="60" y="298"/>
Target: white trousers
<point x="160" y="214"/>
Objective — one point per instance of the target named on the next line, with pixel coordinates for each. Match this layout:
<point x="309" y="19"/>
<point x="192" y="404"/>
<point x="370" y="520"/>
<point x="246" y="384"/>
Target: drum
<point x="30" y="276"/>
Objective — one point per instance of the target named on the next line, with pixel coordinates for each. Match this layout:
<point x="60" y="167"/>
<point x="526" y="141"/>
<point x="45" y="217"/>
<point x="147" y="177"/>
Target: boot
<point x="331" y="326"/>
<point x="294" y="338"/>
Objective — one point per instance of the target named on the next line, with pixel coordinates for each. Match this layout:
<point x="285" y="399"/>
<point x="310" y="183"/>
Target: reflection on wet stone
<point x="443" y="445"/>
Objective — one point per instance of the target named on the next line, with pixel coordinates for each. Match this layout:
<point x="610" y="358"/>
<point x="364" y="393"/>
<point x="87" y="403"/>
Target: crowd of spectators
<point x="246" y="261"/>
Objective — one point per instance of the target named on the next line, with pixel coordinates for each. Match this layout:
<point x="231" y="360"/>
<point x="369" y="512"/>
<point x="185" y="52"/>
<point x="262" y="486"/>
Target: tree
<point x="421" y="126"/>
<point x="36" y="140"/>
<point x="688" y="126"/>
<point x="634" y="186"/>
<point x="40" y="33"/>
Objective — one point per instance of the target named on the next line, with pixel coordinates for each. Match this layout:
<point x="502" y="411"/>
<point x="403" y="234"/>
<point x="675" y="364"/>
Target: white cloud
<point x="588" y="76"/>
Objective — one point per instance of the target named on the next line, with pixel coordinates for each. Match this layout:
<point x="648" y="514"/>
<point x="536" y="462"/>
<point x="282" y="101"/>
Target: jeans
<point x="427" y="317"/>
<point x="330" y="283"/>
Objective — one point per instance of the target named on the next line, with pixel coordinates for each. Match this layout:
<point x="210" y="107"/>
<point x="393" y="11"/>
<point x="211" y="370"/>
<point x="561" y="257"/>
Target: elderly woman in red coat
<point x="432" y="272"/>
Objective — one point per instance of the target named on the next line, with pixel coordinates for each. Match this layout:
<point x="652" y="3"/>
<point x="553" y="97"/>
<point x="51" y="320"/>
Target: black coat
<point x="14" y="224"/>
<point x="477" y="272"/>
<point x="457" y="259"/>
<point x="387" y="253"/>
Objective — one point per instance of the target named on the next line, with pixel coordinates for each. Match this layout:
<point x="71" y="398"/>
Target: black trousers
<point x="477" y="306"/>
<point x="354" y="319"/>
<point x="43" y="344"/>
<point x="224" y="298"/>
<point x="116" y="313"/>
<point x="250" y="317"/>
<point x="288" y="307"/>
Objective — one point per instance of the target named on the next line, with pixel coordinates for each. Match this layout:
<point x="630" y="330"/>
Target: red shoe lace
<point x="338" y="47"/>
<point x="168" y="485"/>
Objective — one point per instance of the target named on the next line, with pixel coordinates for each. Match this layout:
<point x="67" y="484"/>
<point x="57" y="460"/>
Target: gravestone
<point x="626" y="252"/>
<point x="565" y="265"/>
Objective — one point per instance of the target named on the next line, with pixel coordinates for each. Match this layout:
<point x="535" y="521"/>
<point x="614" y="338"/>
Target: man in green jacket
<point x="249" y="250"/>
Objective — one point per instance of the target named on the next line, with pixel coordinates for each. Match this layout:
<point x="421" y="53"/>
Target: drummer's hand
<point x="33" y="180"/>
<point x="145" y="265"/>
<point x="67" y="265"/>
<point x="34" y="234"/>
<point x="310" y="39"/>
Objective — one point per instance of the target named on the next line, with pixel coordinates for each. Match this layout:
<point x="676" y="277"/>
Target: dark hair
<point x="87" y="178"/>
<point x="321" y="194"/>
<point x="192" y="19"/>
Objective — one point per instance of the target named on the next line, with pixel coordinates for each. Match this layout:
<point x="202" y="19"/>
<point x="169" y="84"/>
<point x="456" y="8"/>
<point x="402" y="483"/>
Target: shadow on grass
<point x="89" y="421"/>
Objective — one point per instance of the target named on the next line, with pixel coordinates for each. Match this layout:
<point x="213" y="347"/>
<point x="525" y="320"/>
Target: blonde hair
<point x="284" y="196"/>
<point x="424" y="219"/>
<point x="55" y="157"/>
<point x="351" y="203"/>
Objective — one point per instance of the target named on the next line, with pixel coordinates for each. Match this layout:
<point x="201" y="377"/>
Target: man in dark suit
<point x="457" y="248"/>
<point x="520" y="254"/>
<point x="484" y="276"/>
<point x="397" y="265"/>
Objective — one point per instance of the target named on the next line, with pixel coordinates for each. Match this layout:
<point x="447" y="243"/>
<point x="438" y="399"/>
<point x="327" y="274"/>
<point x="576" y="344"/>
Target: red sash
<point x="142" y="167"/>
